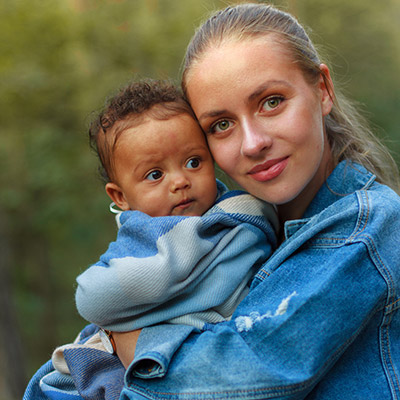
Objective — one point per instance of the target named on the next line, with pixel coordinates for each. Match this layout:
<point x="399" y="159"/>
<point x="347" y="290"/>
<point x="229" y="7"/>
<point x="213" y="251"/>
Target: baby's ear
<point x="117" y="195"/>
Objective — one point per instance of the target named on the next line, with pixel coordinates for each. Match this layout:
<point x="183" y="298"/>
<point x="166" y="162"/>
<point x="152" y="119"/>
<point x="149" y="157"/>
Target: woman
<point x="321" y="320"/>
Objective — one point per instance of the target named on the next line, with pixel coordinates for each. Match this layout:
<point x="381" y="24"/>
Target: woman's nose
<point x="255" y="139"/>
<point x="179" y="181"/>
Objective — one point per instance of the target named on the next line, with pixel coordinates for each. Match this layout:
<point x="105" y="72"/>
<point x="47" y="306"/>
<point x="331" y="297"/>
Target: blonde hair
<point x="348" y="132"/>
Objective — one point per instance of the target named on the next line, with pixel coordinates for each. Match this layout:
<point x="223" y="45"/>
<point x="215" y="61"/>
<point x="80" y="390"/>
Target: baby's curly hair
<point x="156" y="99"/>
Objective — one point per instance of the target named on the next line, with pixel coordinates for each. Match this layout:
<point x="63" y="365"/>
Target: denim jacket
<point x="321" y="320"/>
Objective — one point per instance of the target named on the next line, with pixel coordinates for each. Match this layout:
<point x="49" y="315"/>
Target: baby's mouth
<point x="184" y="203"/>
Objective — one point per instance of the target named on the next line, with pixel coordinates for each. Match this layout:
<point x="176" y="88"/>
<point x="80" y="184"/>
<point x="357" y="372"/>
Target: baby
<point x="187" y="248"/>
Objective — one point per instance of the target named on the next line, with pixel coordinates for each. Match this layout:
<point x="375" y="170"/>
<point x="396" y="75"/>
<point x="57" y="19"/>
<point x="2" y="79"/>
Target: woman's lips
<point x="269" y="170"/>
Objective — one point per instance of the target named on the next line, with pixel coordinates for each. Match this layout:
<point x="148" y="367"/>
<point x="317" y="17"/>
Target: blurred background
<point x="58" y="62"/>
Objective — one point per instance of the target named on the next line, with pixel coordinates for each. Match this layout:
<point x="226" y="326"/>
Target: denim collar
<point x="346" y="178"/>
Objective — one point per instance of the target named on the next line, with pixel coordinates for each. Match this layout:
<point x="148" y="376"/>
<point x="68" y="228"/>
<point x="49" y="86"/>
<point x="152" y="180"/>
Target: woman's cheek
<point x="225" y="155"/>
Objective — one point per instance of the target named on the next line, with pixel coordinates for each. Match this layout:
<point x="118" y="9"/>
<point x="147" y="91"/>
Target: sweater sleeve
<point x="164" y="267"/>
<point x="140" y="269"/>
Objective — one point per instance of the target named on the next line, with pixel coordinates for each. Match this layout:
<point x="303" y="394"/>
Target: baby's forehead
<point x="161" y="121"/>
<point x="133" y="123"/>
<point x="177" y="137"/>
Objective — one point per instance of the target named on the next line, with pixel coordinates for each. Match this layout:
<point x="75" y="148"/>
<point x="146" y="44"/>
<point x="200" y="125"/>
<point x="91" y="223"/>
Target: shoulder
<point x="379" y="214"/>
<point x="370" y="214"/>
<point x="350" y="203"/>
<point x="369" y="217"/>
<point x="373" y="210"/>
<point x="382" y="199"/>
<point x="368" y="210"/>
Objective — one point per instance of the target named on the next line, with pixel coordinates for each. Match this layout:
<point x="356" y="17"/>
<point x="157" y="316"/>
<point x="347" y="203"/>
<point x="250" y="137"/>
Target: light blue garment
<point x="321" y="320"/>
<point x="182" y="270"/>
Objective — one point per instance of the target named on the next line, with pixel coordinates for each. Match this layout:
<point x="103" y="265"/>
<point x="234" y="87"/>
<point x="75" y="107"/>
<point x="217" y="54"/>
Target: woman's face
<point x="263" y="120"/>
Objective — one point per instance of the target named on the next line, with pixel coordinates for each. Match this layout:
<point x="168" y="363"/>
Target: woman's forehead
<point x="241" y="63"/>
<point x="235" y="54"/>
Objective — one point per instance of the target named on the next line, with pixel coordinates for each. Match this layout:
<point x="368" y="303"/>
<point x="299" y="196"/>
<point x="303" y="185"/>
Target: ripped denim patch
<point x="246" y="322"/>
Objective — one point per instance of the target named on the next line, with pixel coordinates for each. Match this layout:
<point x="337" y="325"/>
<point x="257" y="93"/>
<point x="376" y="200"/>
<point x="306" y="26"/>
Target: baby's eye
<point x="154" y="175"/>
<point x="221" y="126"/>
<point x="272" y="102"/>
<point x="193" y="163"/>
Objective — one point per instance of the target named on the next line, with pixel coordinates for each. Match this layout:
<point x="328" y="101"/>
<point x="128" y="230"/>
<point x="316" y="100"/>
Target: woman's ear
<point x="326" y="86"/>
<point x="117" y="196"/>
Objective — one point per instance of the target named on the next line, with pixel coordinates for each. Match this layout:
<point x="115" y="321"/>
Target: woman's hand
<point x="125" y="343"/>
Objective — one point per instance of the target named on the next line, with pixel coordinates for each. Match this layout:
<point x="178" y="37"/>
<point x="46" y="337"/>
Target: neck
<point x="295" y="209"/>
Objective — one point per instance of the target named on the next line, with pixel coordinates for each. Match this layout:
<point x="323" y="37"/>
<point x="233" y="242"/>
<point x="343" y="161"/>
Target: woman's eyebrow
<point x="258" y="92"/>
<point x="212" y="114"/>
<point x="267" y="86"/>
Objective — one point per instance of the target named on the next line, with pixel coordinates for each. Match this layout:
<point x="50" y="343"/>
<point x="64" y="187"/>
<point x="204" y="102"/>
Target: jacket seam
<point x="381" y="267"/>
<point x="363" y="215"/>
<point x="388" y="364"/>
<point x="394" y="305"/>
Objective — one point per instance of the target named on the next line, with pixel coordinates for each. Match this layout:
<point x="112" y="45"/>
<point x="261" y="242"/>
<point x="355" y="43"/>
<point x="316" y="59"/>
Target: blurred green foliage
<point x="60" y="59"/>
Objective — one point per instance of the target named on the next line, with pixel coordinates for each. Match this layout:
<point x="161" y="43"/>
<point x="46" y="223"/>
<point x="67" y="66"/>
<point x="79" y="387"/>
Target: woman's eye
<point x="154" y="175"/>
<point x="193" y="163"/>
<point x="272" y="103"/>
<point x="221" y="126"/>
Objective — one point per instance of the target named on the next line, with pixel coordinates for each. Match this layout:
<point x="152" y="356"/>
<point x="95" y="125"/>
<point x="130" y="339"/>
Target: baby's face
<point x="164" y="167"/>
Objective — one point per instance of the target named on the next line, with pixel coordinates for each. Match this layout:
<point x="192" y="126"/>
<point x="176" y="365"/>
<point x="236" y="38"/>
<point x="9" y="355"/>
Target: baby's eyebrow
<point x="145" y="164"/>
